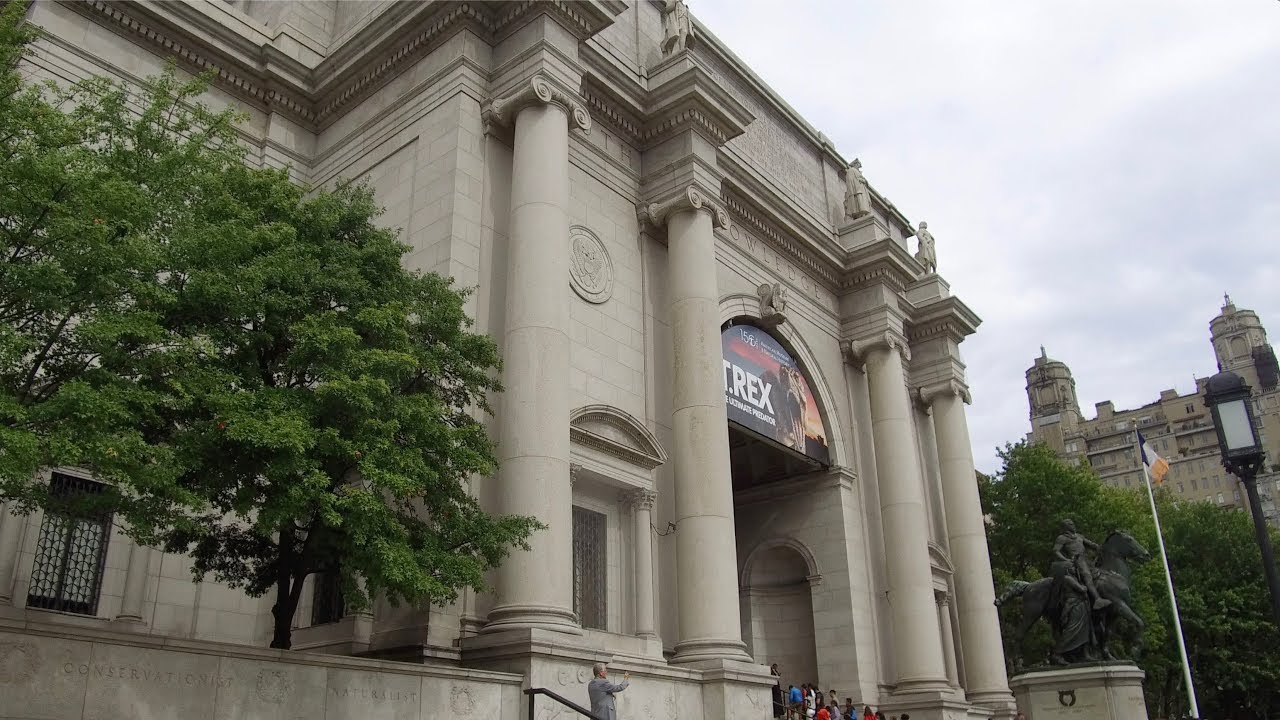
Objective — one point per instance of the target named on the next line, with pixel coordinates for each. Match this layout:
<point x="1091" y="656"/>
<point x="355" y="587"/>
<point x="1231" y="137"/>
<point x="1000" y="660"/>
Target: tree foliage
<point x="244" y="361"/>
<point x="1216" y="569"/>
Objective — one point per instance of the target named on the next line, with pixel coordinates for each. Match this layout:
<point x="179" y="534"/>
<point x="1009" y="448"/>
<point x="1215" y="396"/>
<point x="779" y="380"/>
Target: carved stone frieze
<point x="691" y="198"/>
<point x="538" y="90"/>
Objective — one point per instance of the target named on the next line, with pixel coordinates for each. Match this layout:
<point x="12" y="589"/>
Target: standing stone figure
<point x="855" y="191"/>
<point x="676" y="26"/>
<point x="1070" y="547"/>
<point x="926" y="255"/>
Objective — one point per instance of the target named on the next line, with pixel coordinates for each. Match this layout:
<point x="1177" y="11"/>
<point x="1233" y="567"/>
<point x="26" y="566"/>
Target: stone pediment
<point x="616" y="434"/>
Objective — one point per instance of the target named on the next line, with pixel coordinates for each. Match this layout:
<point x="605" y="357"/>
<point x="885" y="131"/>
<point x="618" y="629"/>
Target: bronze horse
<point x="1111" y="576"/>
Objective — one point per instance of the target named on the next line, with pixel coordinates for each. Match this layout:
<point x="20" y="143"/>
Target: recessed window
<point x="590" y="568"/>
<point x="71" y="552"/>
<point x="328" y="605"/>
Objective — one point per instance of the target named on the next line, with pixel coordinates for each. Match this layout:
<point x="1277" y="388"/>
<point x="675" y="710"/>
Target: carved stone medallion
<point x="461" y="702"/>
<point x="590" y="269"/>
<point x="273" y="686"/>
<point x="18" y="662"/>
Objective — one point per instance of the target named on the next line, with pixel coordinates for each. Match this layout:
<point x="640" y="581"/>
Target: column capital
<point x="942" y="598"/>
<point x="638" y="499"/>
<point x="925" y="395"/>
<point x="574" y="471"/>
<point x="690" y="198"/>
<point x="855" y="352"/>
<point x="537" y="90"/>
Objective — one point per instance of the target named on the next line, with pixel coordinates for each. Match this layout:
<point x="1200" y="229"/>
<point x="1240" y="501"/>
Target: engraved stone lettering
<point x="144" y="674"/>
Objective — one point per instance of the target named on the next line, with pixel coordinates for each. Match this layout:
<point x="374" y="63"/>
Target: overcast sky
<point x="1096" y="173"/>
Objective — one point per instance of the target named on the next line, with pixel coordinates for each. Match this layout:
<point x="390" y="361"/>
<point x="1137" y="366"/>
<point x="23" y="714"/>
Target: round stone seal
<point x="273" y="686"/>
<point x="590" y="269"/>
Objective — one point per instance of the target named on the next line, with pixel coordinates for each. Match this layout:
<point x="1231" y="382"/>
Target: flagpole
<point x="1168" y="581"/>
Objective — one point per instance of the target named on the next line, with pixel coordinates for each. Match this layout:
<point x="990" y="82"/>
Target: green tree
<point x="246" y="363"/>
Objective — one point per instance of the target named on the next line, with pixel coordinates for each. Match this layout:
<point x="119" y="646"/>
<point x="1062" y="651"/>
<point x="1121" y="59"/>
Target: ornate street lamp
<point x="1229" y="401"/>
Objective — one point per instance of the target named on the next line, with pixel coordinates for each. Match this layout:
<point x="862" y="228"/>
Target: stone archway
<point x="777" y="609"/>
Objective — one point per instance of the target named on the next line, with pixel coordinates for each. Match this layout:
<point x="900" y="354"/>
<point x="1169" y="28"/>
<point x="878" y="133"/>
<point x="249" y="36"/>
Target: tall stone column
<point x="948" y="637"/>
<point x="135" y="583"/>
<point x="641" y="502"/>
<point x="984" y="666"/>
<point x="10" y="543"/>
<point x="917" y="642"/>
<point x="535" y="587"/>
<point x="706" y="552"/>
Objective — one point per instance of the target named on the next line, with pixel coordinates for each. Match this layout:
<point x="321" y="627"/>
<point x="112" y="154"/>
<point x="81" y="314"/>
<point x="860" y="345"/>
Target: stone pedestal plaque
<point x="1095" y="692"/>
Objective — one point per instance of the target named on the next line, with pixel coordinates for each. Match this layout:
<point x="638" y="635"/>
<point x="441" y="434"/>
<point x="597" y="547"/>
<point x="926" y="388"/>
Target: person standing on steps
<point x="601" y="692"/>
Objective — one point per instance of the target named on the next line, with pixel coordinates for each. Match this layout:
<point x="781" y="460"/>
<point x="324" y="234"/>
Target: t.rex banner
<point x="765" y="392"/>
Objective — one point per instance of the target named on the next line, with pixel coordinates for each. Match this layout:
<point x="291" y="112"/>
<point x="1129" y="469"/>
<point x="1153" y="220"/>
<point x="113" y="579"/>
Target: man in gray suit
<point x="602" y="691"/>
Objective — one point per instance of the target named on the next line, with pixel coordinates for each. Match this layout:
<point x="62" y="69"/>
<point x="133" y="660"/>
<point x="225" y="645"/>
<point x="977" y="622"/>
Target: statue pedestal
<point x="1089" y="692"/>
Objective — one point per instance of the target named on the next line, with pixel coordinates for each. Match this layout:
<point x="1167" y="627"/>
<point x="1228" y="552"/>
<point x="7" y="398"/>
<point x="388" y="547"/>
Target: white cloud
<point x="1096" y="173"/>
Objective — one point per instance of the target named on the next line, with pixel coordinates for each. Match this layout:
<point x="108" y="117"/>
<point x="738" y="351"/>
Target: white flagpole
<point x="1168" y="580"/>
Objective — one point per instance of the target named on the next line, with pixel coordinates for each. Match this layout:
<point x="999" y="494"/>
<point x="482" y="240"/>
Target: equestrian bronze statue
<point x="1081" y="602"/>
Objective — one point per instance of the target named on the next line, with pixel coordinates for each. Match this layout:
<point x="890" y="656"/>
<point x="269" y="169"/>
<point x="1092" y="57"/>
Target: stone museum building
<point x="1178" y="426"/>
<point x="735" y="392"/>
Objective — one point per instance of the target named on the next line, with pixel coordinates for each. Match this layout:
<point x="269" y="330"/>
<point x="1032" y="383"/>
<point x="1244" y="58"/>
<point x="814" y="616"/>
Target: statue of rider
<point x="1071" y="546"/>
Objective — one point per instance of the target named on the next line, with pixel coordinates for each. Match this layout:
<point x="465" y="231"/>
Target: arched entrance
<point x="777" y="610"/>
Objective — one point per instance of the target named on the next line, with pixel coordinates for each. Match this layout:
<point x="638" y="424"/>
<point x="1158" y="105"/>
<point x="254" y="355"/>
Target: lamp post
<point x="1228" y="398"/>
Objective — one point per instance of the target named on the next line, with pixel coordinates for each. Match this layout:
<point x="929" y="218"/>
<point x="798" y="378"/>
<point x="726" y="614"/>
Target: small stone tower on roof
<point x="1240" y="345"/>
<point x="1051" y="395"/>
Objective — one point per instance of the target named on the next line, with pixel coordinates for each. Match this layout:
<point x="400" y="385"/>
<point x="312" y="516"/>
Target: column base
<point x="999" y="703"/>
<point x="710" y="650"/>
<point x="532" y="617"/>
<point x="945" y="704"/>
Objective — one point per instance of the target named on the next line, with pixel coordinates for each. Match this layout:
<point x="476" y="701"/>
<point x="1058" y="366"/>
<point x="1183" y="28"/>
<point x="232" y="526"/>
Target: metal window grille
<point x="328" y="605"/>
<point x="590" y="568"/>
<point x="72" y="550"/>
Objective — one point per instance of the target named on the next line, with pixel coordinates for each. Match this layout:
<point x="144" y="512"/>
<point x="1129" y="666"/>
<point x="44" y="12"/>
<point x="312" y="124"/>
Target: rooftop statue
<point x="1080" y="602"/>
<point x="927" y="255"/>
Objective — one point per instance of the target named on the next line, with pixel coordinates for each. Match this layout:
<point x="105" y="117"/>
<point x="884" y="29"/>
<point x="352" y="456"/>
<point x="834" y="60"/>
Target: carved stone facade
<point x="620" y="189"/>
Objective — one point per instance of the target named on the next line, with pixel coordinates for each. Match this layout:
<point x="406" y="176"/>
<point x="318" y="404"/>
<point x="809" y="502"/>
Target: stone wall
<point x="52" y="673"/>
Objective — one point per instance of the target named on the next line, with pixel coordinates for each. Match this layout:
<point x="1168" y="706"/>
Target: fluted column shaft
<point x="535" y="587"/>
<point x="10" y="543"/>
<point x="135" y="583"/>
<point x="917" y="642"/>
<point x="984" y="665"/>
<point x="706" y="552"/>
<point x="642" y="509"/>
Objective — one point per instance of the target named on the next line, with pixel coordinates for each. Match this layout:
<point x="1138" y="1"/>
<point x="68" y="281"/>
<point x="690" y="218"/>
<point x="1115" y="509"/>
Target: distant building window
<point x="1221" y="500"/>
<point x="1191" y="408"/>
<point x="1194" y="484"/>
<point x="328" y="605"/>
<point x="1181" y="488"/>
<point x="590" y="567"/>
<point x="67" y="574"/>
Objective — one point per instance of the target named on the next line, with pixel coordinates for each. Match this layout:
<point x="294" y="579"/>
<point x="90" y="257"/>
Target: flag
<point x="1156" y="466"/>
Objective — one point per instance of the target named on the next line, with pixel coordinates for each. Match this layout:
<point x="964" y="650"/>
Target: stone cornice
<point x="883" y="262"/>
<point x="655" y="214"/>
<point x="641" y="450"/>
<point x="537" y="89"/>
<point x="947" y="317"/>
<point x="779" y="240"/>
<point x="254" y="68"/>
<point x="683" y="96"/>
<point x="927" y="394"/>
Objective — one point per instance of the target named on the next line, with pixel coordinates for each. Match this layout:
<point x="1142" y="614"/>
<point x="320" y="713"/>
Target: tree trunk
<point x="288" y="591"/>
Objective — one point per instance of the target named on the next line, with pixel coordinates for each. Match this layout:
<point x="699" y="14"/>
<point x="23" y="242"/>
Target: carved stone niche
<point x="615" y="447"/>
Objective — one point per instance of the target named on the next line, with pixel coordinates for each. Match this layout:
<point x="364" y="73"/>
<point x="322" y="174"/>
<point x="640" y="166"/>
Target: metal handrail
<point x="533" y="693"/>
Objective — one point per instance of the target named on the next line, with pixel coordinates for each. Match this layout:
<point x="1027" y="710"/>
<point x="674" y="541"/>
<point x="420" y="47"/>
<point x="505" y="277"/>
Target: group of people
<point x="807" y="702"/>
